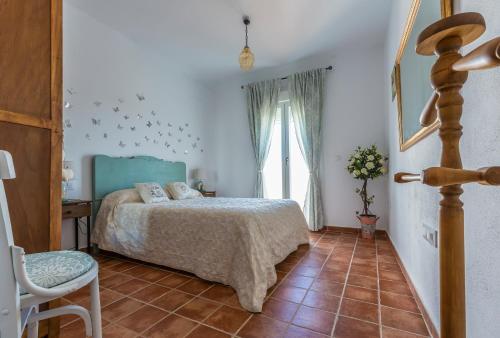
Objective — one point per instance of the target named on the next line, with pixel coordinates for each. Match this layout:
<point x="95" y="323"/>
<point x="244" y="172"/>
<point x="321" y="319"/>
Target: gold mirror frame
<point x="446" y="10"/>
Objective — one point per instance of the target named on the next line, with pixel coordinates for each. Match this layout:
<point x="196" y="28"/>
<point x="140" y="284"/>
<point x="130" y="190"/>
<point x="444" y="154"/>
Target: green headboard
<point x="115" y="173"/>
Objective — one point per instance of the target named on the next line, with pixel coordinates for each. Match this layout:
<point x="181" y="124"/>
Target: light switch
<point x="430" y="235"/>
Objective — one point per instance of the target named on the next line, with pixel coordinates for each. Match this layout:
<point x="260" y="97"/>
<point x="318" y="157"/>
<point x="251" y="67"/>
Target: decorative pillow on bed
<point x="125" y="196"/>
<point x="151" y="192"/>
<point x="181" y="191"/>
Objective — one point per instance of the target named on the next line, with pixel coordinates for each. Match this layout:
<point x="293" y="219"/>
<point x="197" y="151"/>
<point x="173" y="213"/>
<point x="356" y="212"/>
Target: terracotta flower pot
<point x="368" y="225"/>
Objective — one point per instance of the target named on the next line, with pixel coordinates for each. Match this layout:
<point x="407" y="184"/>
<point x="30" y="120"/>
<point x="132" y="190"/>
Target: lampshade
<point x="67" y="171"/>
<point x="246" y="59"/>
<point x="67" y="175"/>
<point x="246" y="56"/>
<point x="200" y="174"/>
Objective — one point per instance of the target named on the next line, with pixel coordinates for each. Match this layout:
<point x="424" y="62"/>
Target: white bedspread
<point x="234" y="241"/>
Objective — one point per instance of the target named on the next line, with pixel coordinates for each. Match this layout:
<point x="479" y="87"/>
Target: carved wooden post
<point x="451" y="215"/>
<point x="445" y="38"/>
<point x="449" y="73"/>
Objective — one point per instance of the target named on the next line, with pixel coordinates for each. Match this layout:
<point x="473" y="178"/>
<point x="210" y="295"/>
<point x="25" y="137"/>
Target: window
<point x="285" y="171"/>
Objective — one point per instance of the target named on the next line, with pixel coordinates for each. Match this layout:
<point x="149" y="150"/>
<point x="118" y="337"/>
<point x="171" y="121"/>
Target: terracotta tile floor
<point x="339" y="286"/>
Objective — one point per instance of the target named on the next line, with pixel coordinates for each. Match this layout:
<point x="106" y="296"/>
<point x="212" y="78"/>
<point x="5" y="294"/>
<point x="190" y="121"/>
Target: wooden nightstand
<point x="77" y="209"/>
<point x="209" y="193"/>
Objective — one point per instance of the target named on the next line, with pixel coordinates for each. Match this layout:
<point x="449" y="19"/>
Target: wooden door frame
<point x="54" y="125"/>
<point x="56" y="140"/>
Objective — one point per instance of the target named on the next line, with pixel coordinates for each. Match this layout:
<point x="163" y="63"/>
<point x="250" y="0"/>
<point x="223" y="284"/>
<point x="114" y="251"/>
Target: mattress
<point x="234" y="241"/>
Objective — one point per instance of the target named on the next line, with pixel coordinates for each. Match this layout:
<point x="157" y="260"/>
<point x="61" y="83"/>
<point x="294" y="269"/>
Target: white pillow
<point x="181" y="191"/>
<point x="151" y="192"/>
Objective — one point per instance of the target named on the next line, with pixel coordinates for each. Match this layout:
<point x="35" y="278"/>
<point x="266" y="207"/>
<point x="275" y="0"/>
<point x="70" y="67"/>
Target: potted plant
<point x="366" y="164"/>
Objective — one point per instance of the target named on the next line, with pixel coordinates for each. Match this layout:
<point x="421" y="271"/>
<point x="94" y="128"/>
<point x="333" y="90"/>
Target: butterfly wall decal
<point x="137" y="144"/>
<point x="167" y="144"/>
<point x="140" y="97"/>
<point x="71" y="91"/>
<point x="160" y="134"/>
<point x="169" y="124"/>
<point x="67" y="123"/>
<point x="96" y="122"/>
<point x="121" y="144"/>
<point x="146" y="138"/>
<point x="158" y="123"/>
<point x="149" y="124"/>
<point x="132" y="128"/>
<point x="97" y="103"/>
<point x="105" y="135"/>
<point x="181" y="129"/>
<point x="121" y="100"/>
<point x="153" y="113"/>
<point x="116" y="109"/>
<point x="139" y="116"/>
<point x="119" y="126"/>
<point x="87" y="136"/>
<point x="126" y="117"/>
<point x="68" y="105"/>
<point x="194" y="145"/>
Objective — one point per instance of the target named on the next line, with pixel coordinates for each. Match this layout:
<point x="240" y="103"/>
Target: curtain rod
<point x="286" y="77"/>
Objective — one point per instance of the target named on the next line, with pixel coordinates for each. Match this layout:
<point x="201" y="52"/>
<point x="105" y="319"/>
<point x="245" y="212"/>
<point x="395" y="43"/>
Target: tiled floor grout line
<point x="274" y="290"/>
<point x="314" y="279"/>
<point x="335" y="240"/>
<point x="378" y="291"/>
<point x="344" y="288"/>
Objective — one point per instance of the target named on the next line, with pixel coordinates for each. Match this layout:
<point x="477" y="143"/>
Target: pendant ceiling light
<point x="246" y="56"/>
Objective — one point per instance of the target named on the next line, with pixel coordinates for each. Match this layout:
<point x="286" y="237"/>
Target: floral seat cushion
<point x="49" y="269"/>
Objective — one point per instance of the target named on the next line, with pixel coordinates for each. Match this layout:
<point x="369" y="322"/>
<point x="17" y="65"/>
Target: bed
<point x="234" y="241"/>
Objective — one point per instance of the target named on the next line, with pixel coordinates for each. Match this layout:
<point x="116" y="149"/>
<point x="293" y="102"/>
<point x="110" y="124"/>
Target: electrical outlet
<point x="430" y="235"/>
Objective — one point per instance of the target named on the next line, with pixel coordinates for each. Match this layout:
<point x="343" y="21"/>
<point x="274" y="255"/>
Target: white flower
<point x="356" y="173"/>
<point x="370" y="158"/>
<point x="370" y="165"/>
<point x="381" y="161"/>
<point x="364" y="171"/>
<point x="383" y="170"/>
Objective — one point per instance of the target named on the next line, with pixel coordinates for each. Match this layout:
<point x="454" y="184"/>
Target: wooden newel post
<point x="445" y="38"/>
<point x="451" y="216"/>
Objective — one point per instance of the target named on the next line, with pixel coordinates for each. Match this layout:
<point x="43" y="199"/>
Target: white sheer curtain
<point x="306" y="99"/>
<point x="262" y="104"/>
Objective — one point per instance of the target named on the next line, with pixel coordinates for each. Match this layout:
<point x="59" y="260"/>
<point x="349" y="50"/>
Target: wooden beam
<point x="26" y="120"/>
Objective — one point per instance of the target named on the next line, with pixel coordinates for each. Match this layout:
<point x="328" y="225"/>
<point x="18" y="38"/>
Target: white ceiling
<point x="206" y="36"/>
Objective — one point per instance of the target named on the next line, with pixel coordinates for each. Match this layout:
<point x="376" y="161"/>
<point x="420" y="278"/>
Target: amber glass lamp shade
<point x="246" y="59"/>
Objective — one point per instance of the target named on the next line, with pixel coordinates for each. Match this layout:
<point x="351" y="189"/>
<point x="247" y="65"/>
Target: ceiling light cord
<point x="246" y="35"/>
<point x="246" y="21"/>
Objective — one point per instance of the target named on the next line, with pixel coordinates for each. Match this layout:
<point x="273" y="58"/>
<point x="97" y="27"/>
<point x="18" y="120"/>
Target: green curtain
<point x="306" y="92"/>
<point x="262" y="103"/>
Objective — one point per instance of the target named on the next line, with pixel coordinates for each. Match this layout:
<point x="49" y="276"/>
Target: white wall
<point x="353" y="115"/>
<point x="414" y="204"/>
<point x="102" y="65"/>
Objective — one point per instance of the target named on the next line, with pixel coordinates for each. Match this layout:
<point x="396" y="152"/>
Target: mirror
<point x="412" y="72"/>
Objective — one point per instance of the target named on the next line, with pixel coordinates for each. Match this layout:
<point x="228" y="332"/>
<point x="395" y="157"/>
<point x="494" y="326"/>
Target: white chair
<point x="29" y="280"/>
